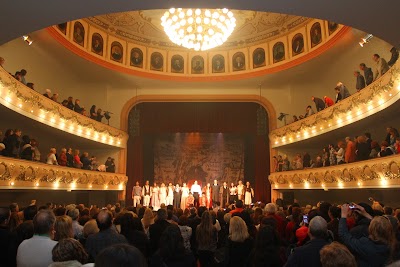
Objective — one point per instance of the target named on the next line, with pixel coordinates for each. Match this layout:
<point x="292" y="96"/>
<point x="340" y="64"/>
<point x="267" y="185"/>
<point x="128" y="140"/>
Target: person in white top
<point x="170" y="196"/>
<point x="51" y="157"/>
<point x="155" y="202"/>
<point x="163" y="194"/>
<point x="240" y="190"/>
<point x="185" y="194"/>
<point x="196" y="192"/>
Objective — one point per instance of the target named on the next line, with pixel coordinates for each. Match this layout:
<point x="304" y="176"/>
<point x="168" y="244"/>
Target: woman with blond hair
<point x="63" y="228"/>
<point x="62" y="159"/>
<point x="147" y="220"/>
<point x="340" y="153"/>
<point x="239" y="245"/>
<point x="375" y="250"/>
<point x="51" y="157"/>
<point x="77" y="160"/>
<point x="206" y="237"/>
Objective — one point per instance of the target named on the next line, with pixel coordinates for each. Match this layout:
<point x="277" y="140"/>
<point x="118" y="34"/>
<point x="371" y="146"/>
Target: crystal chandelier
<point x="199" y="29"/>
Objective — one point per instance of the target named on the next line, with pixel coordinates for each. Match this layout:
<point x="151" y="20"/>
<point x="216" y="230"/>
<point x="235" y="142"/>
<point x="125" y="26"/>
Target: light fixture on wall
<point x="198" y="29"/>
<point x="27" y="39"/>
<point x="365" y="39"/>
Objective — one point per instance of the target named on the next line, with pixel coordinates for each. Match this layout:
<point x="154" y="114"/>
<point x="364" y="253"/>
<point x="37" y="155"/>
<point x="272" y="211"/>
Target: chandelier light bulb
<point x="198" y="29"/>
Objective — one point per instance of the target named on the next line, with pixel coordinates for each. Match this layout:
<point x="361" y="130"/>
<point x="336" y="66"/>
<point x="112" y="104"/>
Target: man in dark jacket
<point x="319" y="103"/>
<point x="70" y="158"/>
<point x="308" y="254"/>
<point x="12" y="144"/>
<point x="360" y="81"/>
<point x="156" y="229"/>
<point x="362" y="223"/>
<point x="368" y="75"/>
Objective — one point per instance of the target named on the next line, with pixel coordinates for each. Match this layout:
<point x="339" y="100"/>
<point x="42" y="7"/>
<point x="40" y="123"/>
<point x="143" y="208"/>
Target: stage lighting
<point x="27" y="39"/>
<point x="365" y="39"/>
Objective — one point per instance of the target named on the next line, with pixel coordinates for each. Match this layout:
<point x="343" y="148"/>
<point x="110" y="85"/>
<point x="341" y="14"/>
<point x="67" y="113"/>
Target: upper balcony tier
<point x="377" y="96"/>
<point x="24" y="174"/>
<point x="19" y="98"/>
<point x="375" y="173"/>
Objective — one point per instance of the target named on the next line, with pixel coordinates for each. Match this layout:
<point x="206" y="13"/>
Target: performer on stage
<point x="206" y="199"/>
<point x="215" y="194"/>
<point x="163" y="194"/>
<point x="155" y="201"/>
<point x="190" y="200"/>
<point x="146" y="191"/>
<point x="223" y="195"/>
<point x="136" y="194"/>
<point x="185" y="194"/>
<point x="177" y="196"/>
<point x="196" y="192"/>
<point x="240" y="190"/>
<point x="232" y="193"/>
<point x="170" y="196"/>
<point x="249" y="194"/>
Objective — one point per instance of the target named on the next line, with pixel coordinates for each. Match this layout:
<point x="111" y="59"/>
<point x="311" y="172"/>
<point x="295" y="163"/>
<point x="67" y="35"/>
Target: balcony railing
<point x="370" y="100"/>
<point x="32" y="104"/>
<point x="23" y="174"/>
<point x="375" y="173"/>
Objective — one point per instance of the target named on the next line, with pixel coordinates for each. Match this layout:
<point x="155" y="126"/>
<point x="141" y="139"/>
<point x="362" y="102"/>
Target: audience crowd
<point x="350" y="150"/>
<point x="16" y="145"/>
<point x="364" y="77"/>
<point x="94" y="112"/>
<point x="260" y="235"/>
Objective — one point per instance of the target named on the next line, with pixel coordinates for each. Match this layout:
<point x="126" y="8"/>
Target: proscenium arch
<point x="23" y="17"/>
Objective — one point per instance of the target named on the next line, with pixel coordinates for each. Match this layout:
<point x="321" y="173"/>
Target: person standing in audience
<point x="120" y="255"/>
<point x="350" y="154"/>
<point x="185" y="194"/>
<point x="340" y="153"/>
<point x="77" y="107"/>
<point x="391" y="134"/>
<point x="266" y="249"/>
<point x="156" y="229"/>
<point x="368" y="140"/>
<point x="362" y="148"/>
<point x="319" y="103"/>
<point x="68" y="252"/>
<point x="381" y="66"/>
<point x="51" y="157"/>
<point x="12" y="144"/>
<point x="110" y="165"/>
<point x="55" y="97"/>
<point x="338" y="96"/>
<point x="309" y="254"/>
<point x="206" y="237"/>
<point x="136" y="194"/>
<point x="93" y="114"/>
<point x="70" y="158"/>
<point x="375" y="250"/>
<point x="77" y="160"/>
<point x="85" y="161"/>
<point x="328" y="101"/>
<point x="47" y="93"/>
<point x="146" y="192"/>
<point x="309" y="112"/>
<point x="336" y="254"/>
<point x="105" y="238"/>
<point x="374" y="150"/>
<point x="360" y="81"/>
<point x="132" y="229"/>
<point x="394" y="56"/>
<point x="147" y="220"/>
<point x="36" y="251"/>
<point x="23" y="74"/>
<point x="385" y="150"/>
<point x="344" y="92"/>
<point x="70" y="103"/>
<point x="368" y="75"/>
<point x="99" y="115"/>
<point x="26" y="148"/>
<point x="63" y="228"/>
<point x="62" y="158"/>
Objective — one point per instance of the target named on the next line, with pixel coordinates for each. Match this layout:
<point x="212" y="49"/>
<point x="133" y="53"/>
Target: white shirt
<point x="35" y="252"/>
<point x="196" y="189"/>
<point x="51" y="159"/>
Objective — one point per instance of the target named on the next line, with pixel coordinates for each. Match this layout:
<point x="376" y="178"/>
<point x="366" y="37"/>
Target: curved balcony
<point x="370" y="100"/>
<point x="18" y="97"/>
<point x="23" y="174"/>
<point x="375" y="173"/>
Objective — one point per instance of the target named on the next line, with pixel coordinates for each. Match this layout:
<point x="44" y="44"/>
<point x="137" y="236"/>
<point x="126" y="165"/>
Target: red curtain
<point x="161" y="118"/>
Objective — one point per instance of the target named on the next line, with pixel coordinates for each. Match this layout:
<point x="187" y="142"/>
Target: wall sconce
<point x="27" y="39"/>
<point x="365" y="39"/>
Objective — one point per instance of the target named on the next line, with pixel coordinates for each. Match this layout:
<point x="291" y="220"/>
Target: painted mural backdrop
<point x="185" y="157"/>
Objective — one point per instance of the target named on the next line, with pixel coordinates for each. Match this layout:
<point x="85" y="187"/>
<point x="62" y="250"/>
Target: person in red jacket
<point x="328" y="101"/>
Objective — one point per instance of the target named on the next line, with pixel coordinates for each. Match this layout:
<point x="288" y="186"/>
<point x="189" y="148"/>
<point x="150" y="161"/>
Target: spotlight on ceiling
<point x="27" y="39"/>
<point x="366" y="39"/>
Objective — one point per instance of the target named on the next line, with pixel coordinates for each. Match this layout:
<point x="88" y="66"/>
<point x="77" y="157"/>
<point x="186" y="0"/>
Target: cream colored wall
<point x="51" y="66"/>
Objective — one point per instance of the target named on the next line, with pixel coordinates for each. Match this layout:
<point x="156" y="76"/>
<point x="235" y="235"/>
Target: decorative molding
<point x="23" y="174"/>
<point x="187" y="75"/>
<point x="18" y="97"/>
<point x="375" y="173"/>
<point x="377" y="96"/>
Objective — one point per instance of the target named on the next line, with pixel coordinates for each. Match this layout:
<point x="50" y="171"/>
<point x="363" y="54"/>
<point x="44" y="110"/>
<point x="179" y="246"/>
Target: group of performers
<point x="184" y="197"/>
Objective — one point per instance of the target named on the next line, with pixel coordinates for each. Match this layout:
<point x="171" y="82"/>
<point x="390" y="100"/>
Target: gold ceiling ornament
<point x="198" y="29"/>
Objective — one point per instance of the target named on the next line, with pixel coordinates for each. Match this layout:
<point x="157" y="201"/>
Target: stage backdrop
<point x="210" y="140"/>
<point x="185" y="157"/>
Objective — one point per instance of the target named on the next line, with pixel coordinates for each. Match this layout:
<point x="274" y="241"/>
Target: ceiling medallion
<point x="199" y="29"/>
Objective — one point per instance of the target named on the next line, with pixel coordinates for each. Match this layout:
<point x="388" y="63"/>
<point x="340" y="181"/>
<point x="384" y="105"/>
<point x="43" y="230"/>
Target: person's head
<point x="362" y="66"/>
<point x="239" y="204"/>
<point x="162" y="214"/>
<point x="90" y="228"/>
<point x="53" y="150"/>
<point x="77" y="101"/>
<point x="384" y="144"/>
<point x="23" y="72"/>
<point x="63" y="228"/>
<point x="317" y="228"/>
<point x="4" y="215"/>
<point x="224" y="184"/>
<point x="334" y="212"/>
<point x="248" y="184"/>
<point x="31" y="85"/>
<point x="120" y="255"/>
<point x="270" y="208"/>
<point x="267" y="238"/>
<point x="356" y="73"/>
<point x="30" y="212"/>
<point x="388" y="210"/>
<point x="73" y="213"/>
<point x="337" y="255"/>
<point x="171" y="243"/>
<point x="376" y="57"/>
<point x="14" y="207"/>
<point x="147" y="182"/>
<point x="238" y="231"/>
<point x="2" y="61"/>
<point x="195" y="182"/>
<point x="308" y="108"/>
<point x="347" y="139"/>
<point x="69" y="249"/>
<point x="104" y="220"/>
<point x="77" y="152"/>
<point x="18" y="132"/>
<point x="381" y="231"/>
<point x="43" y="222"/>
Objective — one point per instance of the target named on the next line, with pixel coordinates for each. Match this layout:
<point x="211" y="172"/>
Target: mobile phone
<point x="305" y="219"/>
<point x="352" y="206"/>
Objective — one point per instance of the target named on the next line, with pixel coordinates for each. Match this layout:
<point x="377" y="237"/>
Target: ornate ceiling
<point x="145" y="27"/>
